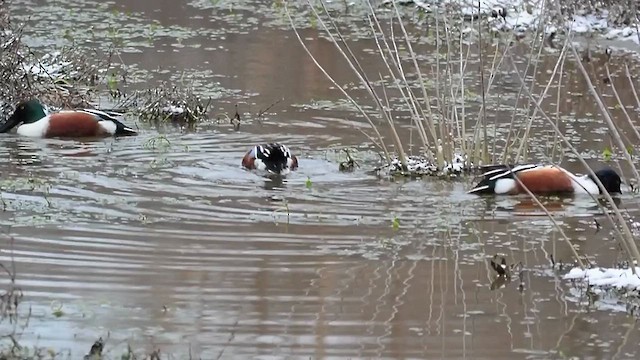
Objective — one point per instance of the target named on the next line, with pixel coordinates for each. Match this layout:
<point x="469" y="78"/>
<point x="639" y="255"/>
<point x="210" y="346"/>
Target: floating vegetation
<point x="418" y="166"/>
<point x="395" y="223"/>
<point x="27" y="184"/>
<point x="158" y="142"/>
<point x="56" y="309"/>
<point x="166" y="104"/>
<point x="349" y="164"/>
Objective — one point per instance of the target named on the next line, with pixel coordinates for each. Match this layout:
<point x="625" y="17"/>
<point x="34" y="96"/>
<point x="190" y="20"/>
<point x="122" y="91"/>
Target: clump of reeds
<point x="62" y="78"/>
<point x="166" y="104"/>
<point x="446" y="102"/>
<point x="433" y="100"/>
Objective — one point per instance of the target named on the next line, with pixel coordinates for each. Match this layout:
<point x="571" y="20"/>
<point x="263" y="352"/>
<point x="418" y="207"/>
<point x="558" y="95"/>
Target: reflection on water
<point x="181" y="249"/>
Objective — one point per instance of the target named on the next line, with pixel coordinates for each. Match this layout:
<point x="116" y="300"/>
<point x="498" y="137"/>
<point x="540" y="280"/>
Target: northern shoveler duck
<point x="33" y="121"/>
<point x="274" y="158"/>
<point x="544" y="180"/>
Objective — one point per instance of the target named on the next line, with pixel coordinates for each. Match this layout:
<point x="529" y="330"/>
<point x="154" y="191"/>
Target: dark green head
<point x="27" y="112"/>
<point x="610" y="179"/>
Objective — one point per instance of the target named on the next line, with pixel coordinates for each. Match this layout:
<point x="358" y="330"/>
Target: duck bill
<point x="9" y="124"/>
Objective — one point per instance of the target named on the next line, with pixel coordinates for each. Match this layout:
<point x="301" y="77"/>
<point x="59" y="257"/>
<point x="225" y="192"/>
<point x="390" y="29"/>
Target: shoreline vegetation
<point x="444" y="104"/>
<point x="608" y="19"/>
<point x="76" y="77"/>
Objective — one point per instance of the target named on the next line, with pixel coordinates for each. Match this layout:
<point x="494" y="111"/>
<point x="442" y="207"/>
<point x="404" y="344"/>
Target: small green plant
<point x="56" y="309"/>
<point x="159" y="163"/>
<point x="395" y="223"/>
<point x="606" y="153"/>
<point x="158" y="142"/>
<point x="112" y="82"/>
<point x="308" y="183"/>
<point x="113" y="32"/>
<point x="278" y="4"/>
<point x="313" y="22"/>
<point x="151" y="32"/>
<point x="68" y="35"/>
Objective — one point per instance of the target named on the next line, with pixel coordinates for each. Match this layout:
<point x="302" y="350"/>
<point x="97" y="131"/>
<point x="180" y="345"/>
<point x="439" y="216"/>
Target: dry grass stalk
<point x="443" y="134"/>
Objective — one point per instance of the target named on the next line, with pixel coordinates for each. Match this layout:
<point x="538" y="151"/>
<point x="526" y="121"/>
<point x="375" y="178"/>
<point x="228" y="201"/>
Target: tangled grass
<point x="62" y="78"/>
<point x="166" y="104"/>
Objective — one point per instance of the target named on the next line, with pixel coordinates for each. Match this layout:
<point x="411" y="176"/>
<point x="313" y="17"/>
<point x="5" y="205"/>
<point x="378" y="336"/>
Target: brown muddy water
<point x="175" y="247"/>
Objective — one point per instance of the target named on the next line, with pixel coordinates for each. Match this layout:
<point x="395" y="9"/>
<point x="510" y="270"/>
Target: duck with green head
<point x="32" y="120"/>
<point x="544" y="180"/>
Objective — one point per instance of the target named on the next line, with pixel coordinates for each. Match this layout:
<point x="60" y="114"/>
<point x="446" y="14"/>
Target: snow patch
<point x="173" y="110"/>
<point x="421" y="166"/>
<point x="607" y="277"/>
<point x="526" y="15"/>
<point x="49" y="65"/>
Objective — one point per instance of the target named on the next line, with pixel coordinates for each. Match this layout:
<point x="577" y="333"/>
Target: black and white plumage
<point x="274" y="158"/>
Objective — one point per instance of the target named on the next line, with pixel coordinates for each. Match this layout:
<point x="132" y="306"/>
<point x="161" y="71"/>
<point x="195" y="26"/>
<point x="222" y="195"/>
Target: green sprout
<point x="395" y="223"/>
<point x="56" y="308"/>
<point x="160" y="142"/>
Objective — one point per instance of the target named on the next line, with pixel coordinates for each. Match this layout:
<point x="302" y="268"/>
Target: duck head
<point x="609" y="179"/>
<point x="26" y="112"/>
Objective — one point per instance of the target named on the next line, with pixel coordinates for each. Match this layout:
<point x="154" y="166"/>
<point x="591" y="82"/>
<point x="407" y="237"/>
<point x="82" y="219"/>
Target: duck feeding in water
<point x="541" y="180"/>
<point x="274" y="158"/>
<point x="32" y="120"/>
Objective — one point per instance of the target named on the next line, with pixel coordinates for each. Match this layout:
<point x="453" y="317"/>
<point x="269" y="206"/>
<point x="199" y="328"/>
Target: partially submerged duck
<point x="542" y="180"/>
<point x="274" y="158"/>
<point x="33" y="121"/>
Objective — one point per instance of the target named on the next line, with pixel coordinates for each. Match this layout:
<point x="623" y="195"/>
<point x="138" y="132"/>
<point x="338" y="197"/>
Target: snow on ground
<point x="525" y="15"/>
<point x="603" y="302"/>
<point x="49" y="65"/>
<point x="622" y="279"/>
<point x="421" y="166"/>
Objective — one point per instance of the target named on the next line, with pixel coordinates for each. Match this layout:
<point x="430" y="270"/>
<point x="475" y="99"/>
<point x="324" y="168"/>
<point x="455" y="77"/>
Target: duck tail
<point x="123" y="130"/>
<point x="484" y="187"/>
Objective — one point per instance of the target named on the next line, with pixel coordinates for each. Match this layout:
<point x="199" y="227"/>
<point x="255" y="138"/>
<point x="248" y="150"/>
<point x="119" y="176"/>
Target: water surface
<point x="177" y="248"/>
